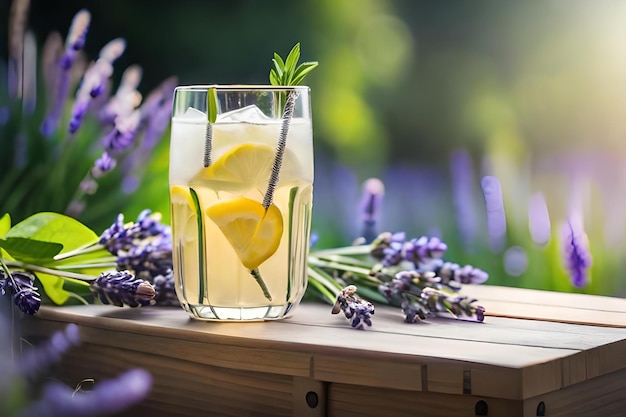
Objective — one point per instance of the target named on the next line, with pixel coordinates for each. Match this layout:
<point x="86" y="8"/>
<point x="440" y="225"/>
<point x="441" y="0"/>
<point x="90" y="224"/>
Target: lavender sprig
<point x="357" y="310"/>
<point x="576" y="254"/>
<point x="371" y="202"/>
<point x="24" y="374"/>
<point x="143" y="246"/>
<point x="141" y="251"/>
<point x="94" y="81"/>
<point x="122" y="288"/>
<point x="74" y="43"/>
<point x="20" y="285"/>
<point x="410" y="274"/>
<point x="107" y="397"/>
<point x="38" y="358"/>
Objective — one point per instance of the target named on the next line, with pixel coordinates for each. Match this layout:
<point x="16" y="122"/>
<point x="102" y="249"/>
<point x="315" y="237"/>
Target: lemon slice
<point x="248" y="165"/>
<point x="181" y="195"/>
<point x="253" y="231"/>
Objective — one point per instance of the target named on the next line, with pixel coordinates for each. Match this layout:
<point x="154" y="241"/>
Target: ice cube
<point x="193" y="115"/>
<point x="187" y="145"/>
<point x="248" y="114"/>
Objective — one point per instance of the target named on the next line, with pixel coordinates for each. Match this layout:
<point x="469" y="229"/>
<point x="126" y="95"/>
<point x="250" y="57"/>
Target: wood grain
<point x="442" y="365"/>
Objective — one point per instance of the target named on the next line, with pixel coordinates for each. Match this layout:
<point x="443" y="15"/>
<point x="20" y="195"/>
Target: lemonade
<point x="236" y="255"/>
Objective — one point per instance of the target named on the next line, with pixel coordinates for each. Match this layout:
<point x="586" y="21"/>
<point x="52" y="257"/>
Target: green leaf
<point x="288" y="72"/>
<point x="54" y="228"/>
<point x="279" y="68"/>
<point x="280" y="64"/>
<point x="57" y="288"/>
<point x="291" y="62"/>
<point x="301" y="72"/>
<point x="274" y="79"/>
<point x="5" y="224"/>
<point x="29" y="250"/>
<point x="212" y="104"/>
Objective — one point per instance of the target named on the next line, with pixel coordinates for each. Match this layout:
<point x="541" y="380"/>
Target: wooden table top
<point x="531" y="342"/>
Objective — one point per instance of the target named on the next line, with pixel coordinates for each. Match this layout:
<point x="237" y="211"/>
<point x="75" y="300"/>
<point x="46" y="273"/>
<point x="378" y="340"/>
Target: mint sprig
<point x="287" y="72"/>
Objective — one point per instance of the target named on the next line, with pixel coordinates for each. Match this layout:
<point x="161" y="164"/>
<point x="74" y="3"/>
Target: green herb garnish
<point x="288" y="72"/>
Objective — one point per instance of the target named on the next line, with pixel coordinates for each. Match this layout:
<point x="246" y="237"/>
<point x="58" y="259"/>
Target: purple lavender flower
<point x="165" y="290"/>
<point x="122" y="288"/>
<point x="496" y="217"/>
<point x="88" y="185"/>
<point x="460" y="307"/>
<point x="126" y="98"/>
<point x="145" y="246"/>
<point x="479" y="312"/>
<point x="94" y="81"/>
<point x="29" y="76"/>
<point x="103" y="165"/>
<point x="75" y="42"/>
<point x="413" y="311"/>
<point x="122" y="136"/>
<point x="38" y="358"/>
<point x="78" y="113"/>
<point x="539" y="220"/>
<point x="155" y="117"/>
<point x="354" y="308"/>
<point x="20" y="285"/>
<point x="576" y="253"/>
<point x="148" y="259"/>
<point x="388" y="248"/>
<point x="18" y="18"/>
<point x="423" y="249"/>
<point x="107" y="397"/>
<point x="450" y="271"/>
<point x="462" y="177"/>
<point x="121" y="237"/>
<point x="371" y="202"/>
<point x="400" y="283"/>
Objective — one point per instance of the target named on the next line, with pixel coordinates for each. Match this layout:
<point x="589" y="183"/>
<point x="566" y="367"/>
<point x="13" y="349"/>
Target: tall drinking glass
<point x="241" y="184"/>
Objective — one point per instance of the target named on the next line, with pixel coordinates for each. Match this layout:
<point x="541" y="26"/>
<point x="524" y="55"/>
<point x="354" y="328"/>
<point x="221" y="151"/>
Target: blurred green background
<point x="428" y="96"/>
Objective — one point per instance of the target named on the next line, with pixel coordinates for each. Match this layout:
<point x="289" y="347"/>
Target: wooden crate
<point x="538" y="353"/>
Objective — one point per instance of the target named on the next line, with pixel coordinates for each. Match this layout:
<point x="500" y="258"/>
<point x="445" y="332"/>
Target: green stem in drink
<point x="198" y="210"/>
<point x="257" y="275"/>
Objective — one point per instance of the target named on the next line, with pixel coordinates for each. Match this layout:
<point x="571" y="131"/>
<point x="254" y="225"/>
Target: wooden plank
<point x="395" y="374"/>
<point x="505" y="358"/>
<point x="554" y="314"/>
<point x="183" y="388"/>
<point x="215" y="354"/>
<point x="506" y="382"/>
<point x="352" y="400"/>
<point x="574" y="369"/>
<point x="343" y="362"/>
<point x="550" y="305"/>
<point x="495" y="329"/>
<point x="545" y="298"/>
<point x="602" y="396"/>
<point x="319" y="339"/>
<point x="447" y="378"/>
<point x="605" y="359"/>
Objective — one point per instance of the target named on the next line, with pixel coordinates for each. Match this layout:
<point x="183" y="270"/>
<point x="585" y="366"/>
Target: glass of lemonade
<point x="241" y="184"/>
